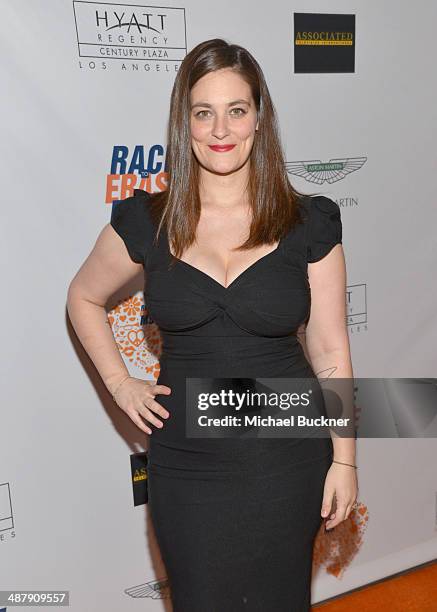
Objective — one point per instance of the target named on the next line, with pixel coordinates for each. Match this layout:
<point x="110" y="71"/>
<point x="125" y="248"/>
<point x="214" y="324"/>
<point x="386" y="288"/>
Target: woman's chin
<point x="224" y="168"/>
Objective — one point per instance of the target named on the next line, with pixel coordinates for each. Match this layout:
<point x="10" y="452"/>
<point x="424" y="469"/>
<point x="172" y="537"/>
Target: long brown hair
<point x="274" y="201"/>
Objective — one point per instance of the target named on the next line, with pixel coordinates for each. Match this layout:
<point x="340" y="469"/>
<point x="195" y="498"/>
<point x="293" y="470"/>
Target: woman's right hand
<point x="136" y="397"/>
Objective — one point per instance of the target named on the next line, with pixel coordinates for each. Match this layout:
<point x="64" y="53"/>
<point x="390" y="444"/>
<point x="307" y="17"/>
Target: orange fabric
<point x="414" y="591"/>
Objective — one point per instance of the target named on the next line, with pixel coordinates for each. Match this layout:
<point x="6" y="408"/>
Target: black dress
<point x="235" y="519"/>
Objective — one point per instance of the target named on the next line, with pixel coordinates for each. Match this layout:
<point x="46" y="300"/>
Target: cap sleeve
<point x="325" y="228"/>
<point x="130" y="219"/>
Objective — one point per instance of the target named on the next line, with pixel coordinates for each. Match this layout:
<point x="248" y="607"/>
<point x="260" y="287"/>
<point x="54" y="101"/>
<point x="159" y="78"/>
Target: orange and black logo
<point x="324" y="43"/>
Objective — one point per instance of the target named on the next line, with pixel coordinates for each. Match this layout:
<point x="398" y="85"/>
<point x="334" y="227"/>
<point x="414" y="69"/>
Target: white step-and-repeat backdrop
<point x="85" y="100"/>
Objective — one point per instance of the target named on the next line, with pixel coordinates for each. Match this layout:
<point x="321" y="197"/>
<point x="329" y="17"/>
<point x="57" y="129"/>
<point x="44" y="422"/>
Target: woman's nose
<point x="220" y="127"/>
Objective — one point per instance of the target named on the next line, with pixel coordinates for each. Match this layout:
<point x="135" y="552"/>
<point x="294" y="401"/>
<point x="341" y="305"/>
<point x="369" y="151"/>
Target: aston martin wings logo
<point x="155" y="589"/>
<point x="319" y="172"/>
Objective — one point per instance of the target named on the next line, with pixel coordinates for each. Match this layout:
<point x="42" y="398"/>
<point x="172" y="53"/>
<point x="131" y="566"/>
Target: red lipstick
<point x="221" y="148"/>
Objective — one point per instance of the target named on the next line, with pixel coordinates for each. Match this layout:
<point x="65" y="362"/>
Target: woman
<point x="230" y="251"/>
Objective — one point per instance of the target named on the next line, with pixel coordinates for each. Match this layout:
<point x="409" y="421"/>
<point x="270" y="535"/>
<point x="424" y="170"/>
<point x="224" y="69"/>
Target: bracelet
<point x="119" y="385"/>
<point x="354" y="466"/>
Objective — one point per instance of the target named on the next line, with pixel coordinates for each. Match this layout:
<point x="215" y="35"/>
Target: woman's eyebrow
<point x="240" y="101"/>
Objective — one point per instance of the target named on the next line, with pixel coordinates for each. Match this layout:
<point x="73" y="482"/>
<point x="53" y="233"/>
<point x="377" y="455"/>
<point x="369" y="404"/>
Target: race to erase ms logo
<point x="135" y="167"/>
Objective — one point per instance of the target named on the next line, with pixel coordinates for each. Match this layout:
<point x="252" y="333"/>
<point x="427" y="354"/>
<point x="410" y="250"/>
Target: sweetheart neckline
<point x="237" y="278"/>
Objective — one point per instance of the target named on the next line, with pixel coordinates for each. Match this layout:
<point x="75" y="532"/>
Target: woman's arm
<point x="107" y="268"/>
<point x="326" y="334"/>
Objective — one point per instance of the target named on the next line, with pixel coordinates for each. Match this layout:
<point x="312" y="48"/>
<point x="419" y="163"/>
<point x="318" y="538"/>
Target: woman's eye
<point x="235" y="111"/>
<point x="243" y="112"/>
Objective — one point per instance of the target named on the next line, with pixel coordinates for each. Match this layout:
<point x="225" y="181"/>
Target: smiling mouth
<point x="221" y="148"/>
